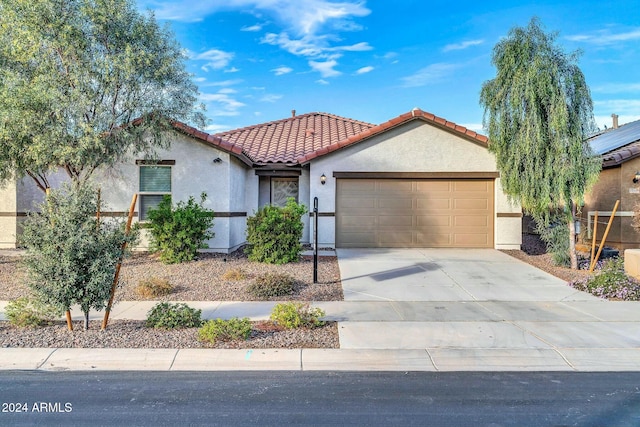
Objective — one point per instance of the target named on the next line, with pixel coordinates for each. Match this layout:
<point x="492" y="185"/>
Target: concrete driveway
<point x="478" y="310"/>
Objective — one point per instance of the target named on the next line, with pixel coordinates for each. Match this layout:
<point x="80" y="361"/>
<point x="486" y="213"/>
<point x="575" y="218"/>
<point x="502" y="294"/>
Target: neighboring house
<point x="414" y="181"/>
<point x="619" y="180"/>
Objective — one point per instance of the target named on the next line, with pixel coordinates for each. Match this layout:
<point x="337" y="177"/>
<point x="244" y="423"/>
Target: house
<point x="619" y="179"/>
<point x="416" y="180"/>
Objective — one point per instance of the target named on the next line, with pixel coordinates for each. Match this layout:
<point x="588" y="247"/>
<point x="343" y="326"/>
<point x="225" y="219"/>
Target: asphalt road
<point x="319" y="398"/>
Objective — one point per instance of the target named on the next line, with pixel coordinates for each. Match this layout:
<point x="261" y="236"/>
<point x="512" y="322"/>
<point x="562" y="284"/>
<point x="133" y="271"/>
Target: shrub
<point x="178" y="232"/>
<point x="225" y="330"/>
<point x="154" y="288"/>
<point x="272" y="285"/>
<point x="233" y="275"/>
<point x="169" y="316"/>
<point x="71" y="256"/>
<point x="556" y="238"/>
<point x="611" y="282"/>
<point x="292" y="315"/>
<point x="274" y="233"/>
<point x="29" y="312"/>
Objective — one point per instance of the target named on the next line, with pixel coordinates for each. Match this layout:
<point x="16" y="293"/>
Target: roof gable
<point x="415" y="114"/>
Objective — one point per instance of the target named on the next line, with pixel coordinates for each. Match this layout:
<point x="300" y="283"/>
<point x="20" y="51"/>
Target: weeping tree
<point x="538" y="113"/>
<point x="72" y="255"/>
<point x="83" y="83"/>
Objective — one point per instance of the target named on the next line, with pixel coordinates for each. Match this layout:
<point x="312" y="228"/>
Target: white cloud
<point x="282" y="70"/>
<point x="322" y="82"/>
<point x="300" y="16"/>
<point x="231" y="82"/>
<point x="617" y="88"/>
<point x="365" y="70"/>
<point x="227" y="90"/>
<point x="462" y="46"/>
<point x="618" y="106"/>
<point x="270" y="98"/>
<point x="606" y="37"/>
<point x="326" y="69"/>
<point x="232" y="70"/>
<point x="253" y="28"/>
<point x="222" y="104"/>
<point x="431" y="74"/>
<point x="214" y="58"/>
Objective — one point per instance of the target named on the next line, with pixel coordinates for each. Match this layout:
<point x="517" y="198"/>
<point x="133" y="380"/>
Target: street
<point x="319" y="398"/>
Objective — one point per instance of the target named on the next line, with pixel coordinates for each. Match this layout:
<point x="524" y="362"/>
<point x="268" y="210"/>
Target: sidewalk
<point x="407" y="310"/>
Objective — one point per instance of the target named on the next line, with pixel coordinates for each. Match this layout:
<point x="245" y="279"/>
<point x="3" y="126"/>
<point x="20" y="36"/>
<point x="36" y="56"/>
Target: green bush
<point x="611" y="282"/>
<point x="272" y="285"/>
<point x="169" y="316"/>
<point x="274" y="233"/>
<point x="178" y="232"/>
<point x="72" y="256"/>
<point x="291" y="315"/>
<point x="154" y="287"/>
<point x="225" y="330"/>
<point x="556" y="238"/>
<point x="29" y="312"/>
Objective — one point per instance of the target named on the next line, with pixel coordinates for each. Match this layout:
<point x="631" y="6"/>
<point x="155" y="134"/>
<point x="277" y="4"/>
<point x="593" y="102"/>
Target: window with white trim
<point x="155" y="183"/>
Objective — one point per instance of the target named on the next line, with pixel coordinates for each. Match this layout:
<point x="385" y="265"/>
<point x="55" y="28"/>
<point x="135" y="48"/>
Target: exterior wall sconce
<point x="323" y="179"/>
<point x="217" y="160"/>
<point x="636" y="178"/>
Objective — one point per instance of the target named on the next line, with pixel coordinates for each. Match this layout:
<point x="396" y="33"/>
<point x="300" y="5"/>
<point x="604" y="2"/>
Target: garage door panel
<point x="394" y="221"/>
<point x="402" y="203"/>
<point x="414" y="213"/>
<point x="433" y="204"/>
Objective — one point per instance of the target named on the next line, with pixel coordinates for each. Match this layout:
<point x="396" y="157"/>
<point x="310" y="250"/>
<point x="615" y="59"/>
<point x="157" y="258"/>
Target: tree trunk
<point x="572" y="238"/>
<point x="86" y="320"/>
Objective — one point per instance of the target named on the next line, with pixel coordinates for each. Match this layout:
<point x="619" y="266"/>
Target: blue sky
<point x="256" y="60"/>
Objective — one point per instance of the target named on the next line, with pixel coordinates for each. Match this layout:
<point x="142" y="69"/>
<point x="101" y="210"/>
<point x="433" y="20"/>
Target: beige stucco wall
<point x="413" y="147"/>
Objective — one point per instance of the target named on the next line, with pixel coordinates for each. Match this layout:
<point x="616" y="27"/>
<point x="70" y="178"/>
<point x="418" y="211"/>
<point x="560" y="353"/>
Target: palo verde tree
<point x="538" y="113"/>
<point x="71" y="255"/>
<point x="83" y="83"/>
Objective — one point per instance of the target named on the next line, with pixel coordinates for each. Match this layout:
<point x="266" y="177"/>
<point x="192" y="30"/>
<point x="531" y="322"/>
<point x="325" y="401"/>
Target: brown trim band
<point x="321" y="214"/>
<point x="12" y="214"/>
<point x="279" y="173"/>
<point x="112" y="214"/>
<point x="156" y="162"/>
<point x="509" y="215"/>
<point x="417" y="175"/>
<point x="229" y="214"/>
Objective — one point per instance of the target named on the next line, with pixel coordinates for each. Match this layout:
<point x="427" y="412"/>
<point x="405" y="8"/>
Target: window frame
<point x="141" y="194"/>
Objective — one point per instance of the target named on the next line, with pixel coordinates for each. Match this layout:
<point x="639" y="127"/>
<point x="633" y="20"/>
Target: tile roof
<point x="285" y="141"/>
<point x="415" y="114"/>
<point x="617" y="145"/>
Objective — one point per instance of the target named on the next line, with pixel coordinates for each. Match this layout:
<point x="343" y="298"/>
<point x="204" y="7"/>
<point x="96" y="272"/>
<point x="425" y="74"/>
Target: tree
<point x="83" y="83"/>
<point x="538" y="113"/>
<point x="72" y="256"/>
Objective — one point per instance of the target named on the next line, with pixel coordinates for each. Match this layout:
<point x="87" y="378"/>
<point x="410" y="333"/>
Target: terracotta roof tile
<point x="621" y="155"/>
<point x="286" y="141"/>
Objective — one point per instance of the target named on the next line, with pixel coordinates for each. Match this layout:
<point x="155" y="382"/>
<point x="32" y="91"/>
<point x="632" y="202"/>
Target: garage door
<point x="414" y="213"/>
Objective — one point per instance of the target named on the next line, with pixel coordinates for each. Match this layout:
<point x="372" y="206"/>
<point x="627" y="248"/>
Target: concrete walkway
<point x="408" y="310"/>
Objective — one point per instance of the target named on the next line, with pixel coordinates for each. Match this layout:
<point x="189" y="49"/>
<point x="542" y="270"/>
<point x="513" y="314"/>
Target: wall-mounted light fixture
<point x="636" y="178"/>
<point x="217" y="160"/>
<point x="323" y="179"/>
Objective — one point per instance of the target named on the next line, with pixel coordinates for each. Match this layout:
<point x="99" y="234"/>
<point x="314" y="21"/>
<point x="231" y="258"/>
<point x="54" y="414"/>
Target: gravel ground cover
<point x="200" y="280"/>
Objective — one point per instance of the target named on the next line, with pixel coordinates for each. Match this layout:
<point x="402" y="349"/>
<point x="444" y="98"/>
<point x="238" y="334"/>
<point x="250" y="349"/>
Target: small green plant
<point x="178" y="232"/>
<point x="234" y="275"/>
<point x="169" y="316"/>
<point x="291" y="315"/>
<point x="274" y="233"/>
<point x="611" y="282"/>
<point x="154" y="288"/>
<point x="556" y="238"/>
<point x="225" y="330"/>
<point x="29" y="312"/>
<point x="272" y="285"/>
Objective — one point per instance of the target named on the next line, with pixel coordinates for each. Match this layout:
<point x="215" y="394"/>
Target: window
<point x="282" y="189"/>
<point x="155" y="183"/>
